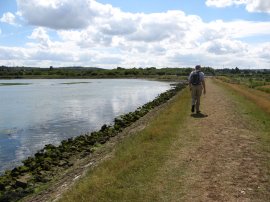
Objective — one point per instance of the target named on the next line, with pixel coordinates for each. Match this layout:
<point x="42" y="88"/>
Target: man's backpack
<point x="195" y="78"/>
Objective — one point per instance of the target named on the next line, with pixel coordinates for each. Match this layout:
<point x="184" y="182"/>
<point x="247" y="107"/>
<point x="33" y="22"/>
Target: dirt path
<point x="220" y="159"/>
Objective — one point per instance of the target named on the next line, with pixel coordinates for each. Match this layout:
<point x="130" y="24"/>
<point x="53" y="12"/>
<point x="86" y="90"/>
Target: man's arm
<point x="204" y="89"/>
<point x="189" y="83"/>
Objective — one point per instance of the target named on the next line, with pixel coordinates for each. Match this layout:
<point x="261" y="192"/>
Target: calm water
<point x="48" y="111"/>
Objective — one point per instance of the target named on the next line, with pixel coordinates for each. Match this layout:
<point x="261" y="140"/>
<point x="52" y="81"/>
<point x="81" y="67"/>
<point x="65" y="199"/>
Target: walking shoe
<point x="192" y="108"/>
<point x="198" y="112"/>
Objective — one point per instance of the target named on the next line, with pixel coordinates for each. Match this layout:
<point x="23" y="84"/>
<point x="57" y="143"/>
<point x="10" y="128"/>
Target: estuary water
<point x="40" y="112"/>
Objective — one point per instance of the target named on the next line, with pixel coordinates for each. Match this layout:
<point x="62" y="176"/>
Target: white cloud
<point x="263" y="51"/>
<point x="223" y="46"/>
<point x="41" y="36"/>
<point x="251" y="5"/>
<point x="236" y="29"/>
<point x="224" y="3"/>
<point x="63" y="14"/>
<point x="108" y="60"/>
<point x="119" y="24"/>
<point x="8" y="18"/>
<point x="50" y="55"/>
<point x="258" y="6"/>
<point x="7" y="53"/>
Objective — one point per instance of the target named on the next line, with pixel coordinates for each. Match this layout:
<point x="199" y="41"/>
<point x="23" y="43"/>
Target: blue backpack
<point x="195" y="78"/>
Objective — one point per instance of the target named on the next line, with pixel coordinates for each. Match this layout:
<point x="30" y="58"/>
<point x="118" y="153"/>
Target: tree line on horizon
<point x="119" y="72"/>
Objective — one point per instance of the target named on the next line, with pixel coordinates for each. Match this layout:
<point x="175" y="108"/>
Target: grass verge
<point x="254" y="104"/>
<point x="136" y="161"/>
<point x="260" y="98"/>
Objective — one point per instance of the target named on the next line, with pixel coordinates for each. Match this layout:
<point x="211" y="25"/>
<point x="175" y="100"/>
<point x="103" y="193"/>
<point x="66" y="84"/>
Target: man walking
<point x="196" y="85"/>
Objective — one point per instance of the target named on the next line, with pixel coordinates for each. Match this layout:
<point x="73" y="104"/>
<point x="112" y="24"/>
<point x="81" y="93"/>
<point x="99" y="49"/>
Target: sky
<point x="135" y="33"/>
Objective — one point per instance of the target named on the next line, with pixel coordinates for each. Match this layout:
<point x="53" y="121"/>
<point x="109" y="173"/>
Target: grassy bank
<point x="128" y="174"/>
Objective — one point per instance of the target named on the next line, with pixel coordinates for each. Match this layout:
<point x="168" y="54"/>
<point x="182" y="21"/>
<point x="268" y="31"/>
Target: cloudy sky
<point x="135" y="33"/>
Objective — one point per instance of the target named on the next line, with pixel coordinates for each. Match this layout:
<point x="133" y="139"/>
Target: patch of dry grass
<point x="260" y="98"/>
<point x="265" y="88"/>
